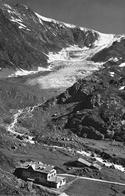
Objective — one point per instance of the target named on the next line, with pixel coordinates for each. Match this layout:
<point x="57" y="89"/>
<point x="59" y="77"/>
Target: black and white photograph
<point x="62" y="97"/>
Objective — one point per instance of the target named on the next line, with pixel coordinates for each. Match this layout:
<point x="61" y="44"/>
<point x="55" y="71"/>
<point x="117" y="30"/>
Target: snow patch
<point x="22" y="72"/>
<point x="114" y="59"/>
<point x="69" y="25"/>
<point x="42" y="18"/>
<point x="104" y="40"/>
<point x="83" y="29"/>
<point x="16" y="20"/>
<point x="122" y="88"/>
<point x="19" y="22"/>
<point x="112" y="74"/>
<point x="22" y="27"/>
<point x="8" y="6"/>
<point x="122" y="65"/>
<point x="14" y="13"/>
<point x="119" y="37"/>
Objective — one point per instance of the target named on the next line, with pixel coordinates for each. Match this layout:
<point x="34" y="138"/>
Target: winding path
<point x="12" y="127"/>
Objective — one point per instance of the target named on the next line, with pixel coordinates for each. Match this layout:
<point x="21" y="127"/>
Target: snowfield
<point x="122" y="65"/>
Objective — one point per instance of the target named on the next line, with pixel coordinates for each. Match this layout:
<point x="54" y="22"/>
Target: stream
<point x="12" y="128"/>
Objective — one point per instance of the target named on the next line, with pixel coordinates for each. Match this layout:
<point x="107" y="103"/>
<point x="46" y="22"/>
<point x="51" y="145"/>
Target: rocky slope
<point x="93" y="107"/>
<point x="99" y="109"/>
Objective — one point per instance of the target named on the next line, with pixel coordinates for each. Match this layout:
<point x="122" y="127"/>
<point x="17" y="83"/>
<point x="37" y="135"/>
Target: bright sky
<point x="107" y="16"/>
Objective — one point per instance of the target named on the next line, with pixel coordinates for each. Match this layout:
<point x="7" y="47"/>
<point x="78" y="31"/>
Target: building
<point x="84" y="162"/>
<point x="96" y="166"/>
<point x="57" y="182"/>
<point x="89" y="164"/>
<point x="40" y="173"/>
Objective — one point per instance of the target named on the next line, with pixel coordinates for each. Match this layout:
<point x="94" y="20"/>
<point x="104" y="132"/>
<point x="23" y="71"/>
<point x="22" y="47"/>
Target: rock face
<point x="99" y="109"/>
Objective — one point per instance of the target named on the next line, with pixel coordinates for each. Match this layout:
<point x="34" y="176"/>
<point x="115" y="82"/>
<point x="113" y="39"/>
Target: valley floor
<point x="89" y="184"/>
<point x="91" y="188"/>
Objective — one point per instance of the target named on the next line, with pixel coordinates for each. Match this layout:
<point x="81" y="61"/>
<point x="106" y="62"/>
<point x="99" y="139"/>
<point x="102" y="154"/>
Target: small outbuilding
<point x="84" y="162"/>
<point x="96" y="166"/>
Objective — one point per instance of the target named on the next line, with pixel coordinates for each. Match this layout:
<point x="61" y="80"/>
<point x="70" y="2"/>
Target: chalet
<point x="40" y="173"/>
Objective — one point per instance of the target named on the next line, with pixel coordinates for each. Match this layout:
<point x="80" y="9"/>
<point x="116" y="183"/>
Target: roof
<point x="47" y="169"/>
<point x="83" y="161"/>
<point x="96" y="166"/>
<point x="38" y="166"/>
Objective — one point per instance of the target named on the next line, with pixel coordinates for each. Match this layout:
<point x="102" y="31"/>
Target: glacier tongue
<point x="72" y="63"/>
<point x="104" y="40"/>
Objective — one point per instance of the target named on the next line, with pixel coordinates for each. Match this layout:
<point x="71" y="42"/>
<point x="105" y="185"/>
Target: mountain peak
<point x="37" y="41"/>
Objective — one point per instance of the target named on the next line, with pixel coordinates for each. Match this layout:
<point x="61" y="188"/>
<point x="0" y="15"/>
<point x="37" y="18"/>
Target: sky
<point x="107" y="16"/>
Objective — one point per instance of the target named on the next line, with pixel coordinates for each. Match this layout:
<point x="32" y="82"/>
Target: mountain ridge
<point x="38" y="36"/>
